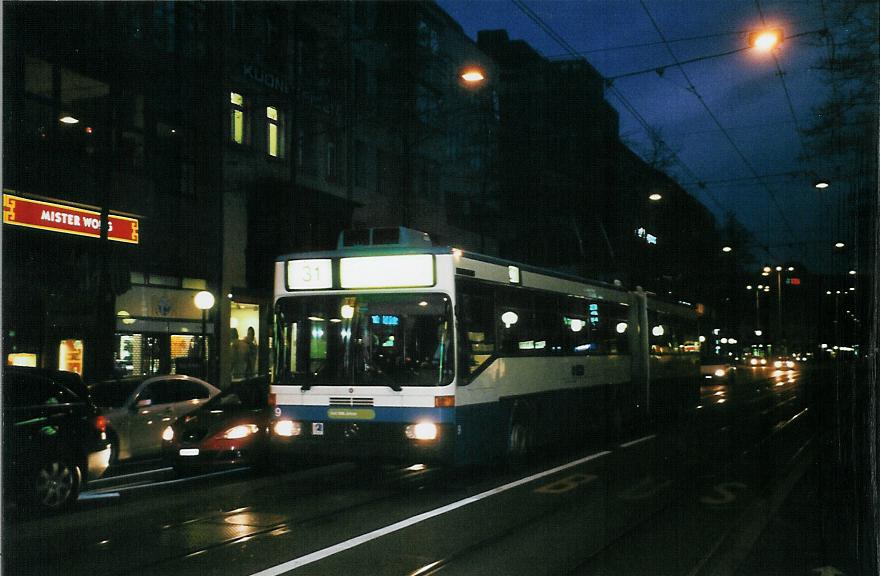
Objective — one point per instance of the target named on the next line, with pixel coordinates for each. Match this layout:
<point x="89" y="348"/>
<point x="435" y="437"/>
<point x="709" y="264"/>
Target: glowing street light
<point x="839" y="245"/>
<point x="473" y="75"/>
<point x="766" y="40"/>
<point x="655" y="197"/>
<point x="68" y="120"/>
<point x="821" y="184"/>
<point x="727" y="249"/>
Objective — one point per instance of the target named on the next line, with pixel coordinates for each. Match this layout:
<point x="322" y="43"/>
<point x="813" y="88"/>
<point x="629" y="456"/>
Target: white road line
<point x="107" y="479"/>
<point x="363" y="538"/>
<point x="637" y="441"/>
<point x="97" y="495"/>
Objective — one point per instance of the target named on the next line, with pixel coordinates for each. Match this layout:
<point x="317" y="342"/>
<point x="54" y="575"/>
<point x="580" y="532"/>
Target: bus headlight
<point x="421" y="431"/>
<point x="287" y="428"/>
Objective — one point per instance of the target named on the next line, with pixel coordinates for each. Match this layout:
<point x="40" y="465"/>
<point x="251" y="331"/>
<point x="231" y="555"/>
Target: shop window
<point x="184" y="349"/>
<point x="244" y="327"/>
<point x="238" y="126"/>
<point x="70" y="356"/>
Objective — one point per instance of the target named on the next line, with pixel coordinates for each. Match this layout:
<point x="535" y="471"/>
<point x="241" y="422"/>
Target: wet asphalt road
<point x="659" y="501"/>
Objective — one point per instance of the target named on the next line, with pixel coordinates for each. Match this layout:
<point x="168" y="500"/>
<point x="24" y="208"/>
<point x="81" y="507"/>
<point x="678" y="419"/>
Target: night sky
<point x="744" y="163"/>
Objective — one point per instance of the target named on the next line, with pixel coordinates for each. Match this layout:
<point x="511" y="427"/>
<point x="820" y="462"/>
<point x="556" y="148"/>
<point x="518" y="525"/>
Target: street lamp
<point x="655" y="197"/>
<point x="473" y="75"/>
<point x="204" y="301"/>
<point x="821" y="184"/>
<point x="839" y="245"/>
<point x="766" y="40"/>
<point x="727" y="249"/>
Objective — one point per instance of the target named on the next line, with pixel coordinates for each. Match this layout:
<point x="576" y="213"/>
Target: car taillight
<point x="100" y="423"/>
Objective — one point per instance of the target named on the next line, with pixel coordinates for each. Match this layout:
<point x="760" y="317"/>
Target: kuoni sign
<point x="30" y="213"/>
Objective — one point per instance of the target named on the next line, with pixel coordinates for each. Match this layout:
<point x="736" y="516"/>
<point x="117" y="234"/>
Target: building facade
<point x="223" y="135"/>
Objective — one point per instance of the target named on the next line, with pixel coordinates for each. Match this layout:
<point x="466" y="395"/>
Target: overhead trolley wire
<point x="693" y="89"/>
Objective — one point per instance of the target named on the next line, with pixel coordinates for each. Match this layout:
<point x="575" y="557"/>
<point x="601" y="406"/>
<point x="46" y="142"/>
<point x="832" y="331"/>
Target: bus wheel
<point x="519" y="442"/>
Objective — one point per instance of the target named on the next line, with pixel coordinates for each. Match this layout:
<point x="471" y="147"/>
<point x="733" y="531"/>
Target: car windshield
<point x="113" y="394"/>
<point x="371" y="340"/>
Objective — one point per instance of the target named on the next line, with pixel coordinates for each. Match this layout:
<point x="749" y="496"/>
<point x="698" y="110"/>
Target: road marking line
<point x="107" y="479"/>
<point x="637" y="441"/>
<point x="378" y="533"/>
<point x="97" y="495"/>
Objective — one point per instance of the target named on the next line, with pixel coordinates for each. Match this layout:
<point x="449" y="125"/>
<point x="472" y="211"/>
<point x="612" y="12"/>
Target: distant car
<point x="222" y="432"/>
<point x="54" y="439"/>
<point x="755" y="361"/>
<point x="139" y="409"/>
<point x="783" y="363"/>
<point x="713" y="369"/>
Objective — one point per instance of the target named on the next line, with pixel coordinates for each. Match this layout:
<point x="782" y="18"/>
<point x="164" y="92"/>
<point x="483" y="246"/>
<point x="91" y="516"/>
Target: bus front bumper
<point x="365" y="441"/>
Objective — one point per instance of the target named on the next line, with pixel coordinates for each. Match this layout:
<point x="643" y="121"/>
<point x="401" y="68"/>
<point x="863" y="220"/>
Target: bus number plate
<point x="317" y="428"/>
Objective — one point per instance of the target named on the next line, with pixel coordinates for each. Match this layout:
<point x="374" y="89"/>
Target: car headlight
<point x="241" y="431"/>
<point x="777" y="364"/>
<point x="763" y="361"/>
<point x="168" y="434"/>
<point x="421" y="431"/>
<point x="789" y="364"/>
<point x="287" y="428"/>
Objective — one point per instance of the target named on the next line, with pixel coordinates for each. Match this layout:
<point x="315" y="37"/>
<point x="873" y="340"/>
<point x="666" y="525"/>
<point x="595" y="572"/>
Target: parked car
<point x="222" y="432"/>
<point x="139" y="409"/>
<point x="54" y="439"/>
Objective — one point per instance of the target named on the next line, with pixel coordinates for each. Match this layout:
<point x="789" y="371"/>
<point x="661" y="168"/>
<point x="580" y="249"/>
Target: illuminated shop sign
<point x="66" y="219"/>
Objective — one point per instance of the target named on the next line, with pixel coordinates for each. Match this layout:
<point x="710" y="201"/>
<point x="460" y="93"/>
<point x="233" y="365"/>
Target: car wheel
<point x="57" y="482"/>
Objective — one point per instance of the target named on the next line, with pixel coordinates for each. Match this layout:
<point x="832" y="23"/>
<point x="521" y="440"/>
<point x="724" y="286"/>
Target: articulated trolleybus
<point x="389" y="348"/>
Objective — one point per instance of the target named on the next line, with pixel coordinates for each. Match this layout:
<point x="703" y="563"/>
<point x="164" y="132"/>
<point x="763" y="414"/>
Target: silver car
<point x="139" y="409"/>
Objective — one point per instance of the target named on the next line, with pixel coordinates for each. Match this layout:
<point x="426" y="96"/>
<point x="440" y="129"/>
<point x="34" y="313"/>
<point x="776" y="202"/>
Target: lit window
<point x="274" y="133"/>
<point x="237" y="128"/>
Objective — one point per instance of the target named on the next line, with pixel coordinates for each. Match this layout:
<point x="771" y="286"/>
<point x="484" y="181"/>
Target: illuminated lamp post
<point x="473" y="78"/>
<point x="204" y="301"/>
<point x="766" y="40"/>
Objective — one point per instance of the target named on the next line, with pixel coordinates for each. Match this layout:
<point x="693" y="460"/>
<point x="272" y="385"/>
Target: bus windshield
<point x="392" y="340"/>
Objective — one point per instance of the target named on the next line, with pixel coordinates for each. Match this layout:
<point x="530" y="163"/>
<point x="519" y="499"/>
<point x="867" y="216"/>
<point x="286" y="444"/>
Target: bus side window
<point x="477" y="335"/>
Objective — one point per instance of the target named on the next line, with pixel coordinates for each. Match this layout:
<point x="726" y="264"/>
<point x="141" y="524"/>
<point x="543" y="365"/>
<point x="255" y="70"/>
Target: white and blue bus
<point x="391" y="348"/>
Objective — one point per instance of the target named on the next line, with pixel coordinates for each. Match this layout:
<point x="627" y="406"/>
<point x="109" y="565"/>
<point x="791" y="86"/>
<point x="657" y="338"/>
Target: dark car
<point x="222" y="432"/>
<point x="54" y="440"/>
